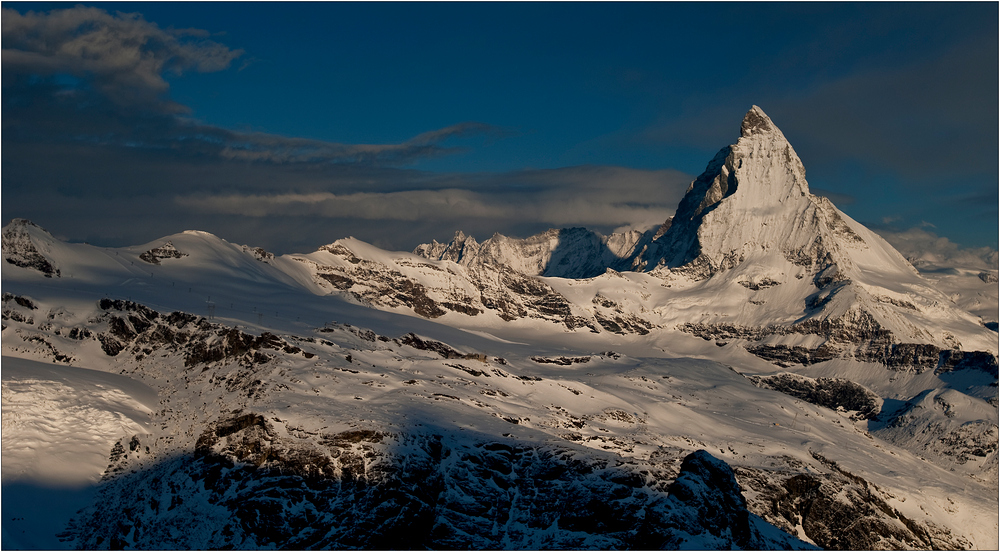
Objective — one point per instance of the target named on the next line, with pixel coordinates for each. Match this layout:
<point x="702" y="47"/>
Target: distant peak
<point x="25" y="226"/>
<point x="756" y="121"/>
<point x="20" y="222"/>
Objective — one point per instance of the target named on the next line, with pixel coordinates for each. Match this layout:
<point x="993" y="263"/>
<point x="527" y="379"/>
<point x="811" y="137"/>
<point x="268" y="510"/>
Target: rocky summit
<point x="760" y="371"/>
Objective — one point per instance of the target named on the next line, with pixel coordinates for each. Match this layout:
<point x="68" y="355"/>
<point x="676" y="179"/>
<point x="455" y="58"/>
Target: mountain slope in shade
<point x="565" y="253"/>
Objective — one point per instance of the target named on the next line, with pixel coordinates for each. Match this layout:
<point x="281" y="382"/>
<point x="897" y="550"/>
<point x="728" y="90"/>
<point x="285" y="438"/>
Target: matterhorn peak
<point x="722" y="215"/>
<point x="752" y="206"/>
<point x="756" y="121"/>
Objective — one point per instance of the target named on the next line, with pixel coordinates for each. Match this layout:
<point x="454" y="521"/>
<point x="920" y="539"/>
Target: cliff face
<point x="20" y="249"/>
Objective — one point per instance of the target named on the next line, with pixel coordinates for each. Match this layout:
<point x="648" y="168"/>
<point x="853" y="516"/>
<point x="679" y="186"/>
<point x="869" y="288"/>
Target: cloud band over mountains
<point x="88" y="88"/>
<point x="95" y="147"/>
<point x="589" y="196"/>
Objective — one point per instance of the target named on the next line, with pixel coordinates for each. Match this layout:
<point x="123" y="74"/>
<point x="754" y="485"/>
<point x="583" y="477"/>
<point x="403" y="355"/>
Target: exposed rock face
<point x="835" y="393"/>
<point x="259" y="253"/>
<point x="708" y="489"/>
<point x="141" y="331"/>
<point x="165" y="251"/>
<point x="863" y="339"/>
<point x="989" y="277"/>
<point x="432" y="290"/>
<point x="838" y="510"/>
<point x="20" y="250"/>
<point x="22" y="314"/>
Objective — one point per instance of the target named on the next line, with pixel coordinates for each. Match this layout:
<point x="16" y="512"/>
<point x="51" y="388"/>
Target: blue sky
<point x="289" y="125"/>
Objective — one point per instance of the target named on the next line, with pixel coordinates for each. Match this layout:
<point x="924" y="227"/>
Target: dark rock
<point x="19" y="249"/>
<point x="338" y="281"/>
<point x="782" y="355"/>
<point x="440" y="348"/>
<point x="25" y="302"/>
<point x="840" y="511"/>
<point x="249" y="489"/>
<point x="828" y="392"/>
<point x="988" y="277"/>
<point x="951" y="361"/>
<point x="712" y="500"/>
<point x="561" y="361"/>
<point x="165" y="251"/>
<point x="862" y="338"/>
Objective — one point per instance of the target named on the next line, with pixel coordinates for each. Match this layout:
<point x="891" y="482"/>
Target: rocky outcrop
<point x="141" y="331"/>
<point x="838" y="510"/>
<point x="939" y="424"/>
<point x="859" y="337"/>
<point x="442" y="349"/>
<point x="712" y="499"/>
<point x="259" y="253"/>
<point x="833" y="393"/>
<point x="157" y="254"/>
<point x="20" y="250"/>
<point x="13" y="312"/>
<point x="480" y="287"/>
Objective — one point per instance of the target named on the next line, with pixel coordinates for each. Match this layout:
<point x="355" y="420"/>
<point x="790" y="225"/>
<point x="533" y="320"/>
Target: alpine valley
<point x="759" y="372"/>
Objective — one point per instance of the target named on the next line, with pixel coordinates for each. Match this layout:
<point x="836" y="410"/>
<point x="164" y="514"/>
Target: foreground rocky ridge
<point x="246" y="488"/>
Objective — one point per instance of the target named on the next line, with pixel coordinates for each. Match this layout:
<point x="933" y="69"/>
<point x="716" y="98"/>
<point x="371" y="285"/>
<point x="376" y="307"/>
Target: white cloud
<point x="919" y="245"/>
<point x="123" y="54"/>
<point x="583" y="196"/>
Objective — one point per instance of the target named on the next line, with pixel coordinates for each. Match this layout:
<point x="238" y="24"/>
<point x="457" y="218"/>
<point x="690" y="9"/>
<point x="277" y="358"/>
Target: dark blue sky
<point x="289" y="125"/>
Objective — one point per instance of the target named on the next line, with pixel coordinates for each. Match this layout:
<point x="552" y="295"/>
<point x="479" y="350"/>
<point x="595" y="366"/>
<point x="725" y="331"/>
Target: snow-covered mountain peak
<point x="753" y="196"/>
<point x="27" y="245"/>
<point x="28" y="229"/>
<point x="756" y="121"/>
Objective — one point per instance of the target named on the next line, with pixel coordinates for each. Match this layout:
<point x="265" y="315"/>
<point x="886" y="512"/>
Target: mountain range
<point x="759" y="371"/>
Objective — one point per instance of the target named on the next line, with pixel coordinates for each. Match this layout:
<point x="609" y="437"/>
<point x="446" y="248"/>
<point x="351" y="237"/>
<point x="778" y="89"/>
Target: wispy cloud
<point x="918" y="244"/>
<point x="280" y="149"/>
<point x="90" y="129"/>
<point x="84" y="75"/>
<point x="588" y="196"/>
<point x="122" y="55"/>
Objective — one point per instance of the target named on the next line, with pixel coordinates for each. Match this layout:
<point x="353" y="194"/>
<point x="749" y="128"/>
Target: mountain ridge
<point x="749" y="246"/>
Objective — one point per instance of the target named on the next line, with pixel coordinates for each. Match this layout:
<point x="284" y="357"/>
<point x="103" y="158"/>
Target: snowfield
<point x="794" y="384"/>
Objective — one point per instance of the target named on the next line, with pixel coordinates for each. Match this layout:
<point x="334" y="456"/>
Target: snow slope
<point x="59" y="423"/>
<point x="644" y="413"/>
